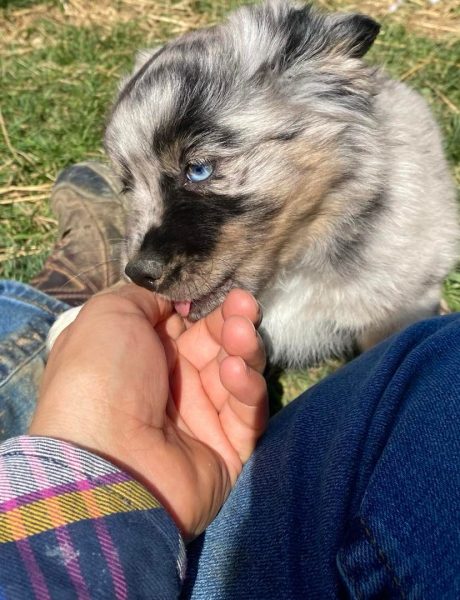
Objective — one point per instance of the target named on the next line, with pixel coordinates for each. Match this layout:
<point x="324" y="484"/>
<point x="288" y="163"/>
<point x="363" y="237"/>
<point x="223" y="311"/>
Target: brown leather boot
<point x="90" y="213"/>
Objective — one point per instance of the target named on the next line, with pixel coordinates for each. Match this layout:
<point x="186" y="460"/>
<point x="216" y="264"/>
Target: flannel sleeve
<point x="72" y="525"/>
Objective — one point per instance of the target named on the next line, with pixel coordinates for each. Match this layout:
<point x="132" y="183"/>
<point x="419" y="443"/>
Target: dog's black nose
<point x="145" y="271"/>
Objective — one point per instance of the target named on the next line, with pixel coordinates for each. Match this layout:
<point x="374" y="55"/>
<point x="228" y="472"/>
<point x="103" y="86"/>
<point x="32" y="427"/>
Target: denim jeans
<point x="354" y="490"/>
<point x="25" y="318"/>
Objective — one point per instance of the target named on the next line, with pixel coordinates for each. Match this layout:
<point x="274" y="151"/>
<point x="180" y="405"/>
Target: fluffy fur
<point x="330" y="198"/>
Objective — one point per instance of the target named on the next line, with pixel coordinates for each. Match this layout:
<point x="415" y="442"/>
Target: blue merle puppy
<point x="264" y="153"/>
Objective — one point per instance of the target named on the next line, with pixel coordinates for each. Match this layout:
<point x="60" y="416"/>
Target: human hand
<point x="180" y="406"/>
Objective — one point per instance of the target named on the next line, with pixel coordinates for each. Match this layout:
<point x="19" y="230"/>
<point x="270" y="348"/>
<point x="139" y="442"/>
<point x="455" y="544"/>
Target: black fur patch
<point x="358" y="33"/>
<point x="196" y="107"/>
<point x="192" y="222"/>
<point x="302" y="35"/>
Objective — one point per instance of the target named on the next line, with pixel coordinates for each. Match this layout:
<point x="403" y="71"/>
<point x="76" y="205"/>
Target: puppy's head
<point x="229" y="139"/>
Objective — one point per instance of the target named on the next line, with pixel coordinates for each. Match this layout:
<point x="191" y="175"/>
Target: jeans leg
<point x="25" y="318"/>
<point x="354" y="491"/>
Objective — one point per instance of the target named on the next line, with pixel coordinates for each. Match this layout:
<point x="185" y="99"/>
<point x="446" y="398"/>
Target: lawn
<point x="60" y="64"/>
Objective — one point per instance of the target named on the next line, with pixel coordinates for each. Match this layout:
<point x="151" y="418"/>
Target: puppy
<point x="264" y="153"/>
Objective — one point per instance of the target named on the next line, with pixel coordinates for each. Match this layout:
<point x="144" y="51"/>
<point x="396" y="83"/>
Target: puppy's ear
<point x="353" y="34"/>
<point x="308" y="33"/>
<point x="281" y="35"/>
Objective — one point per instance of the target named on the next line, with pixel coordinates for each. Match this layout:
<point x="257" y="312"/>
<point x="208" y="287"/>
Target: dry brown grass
<point x="421" y="17"/>
<point x="105" y="14"/>
<point x="441" y="19"/>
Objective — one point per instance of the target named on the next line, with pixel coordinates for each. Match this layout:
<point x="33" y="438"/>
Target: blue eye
<point x="195" y="172"/>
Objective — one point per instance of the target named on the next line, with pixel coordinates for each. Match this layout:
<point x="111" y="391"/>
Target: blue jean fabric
<point x="25" y="318"/>
<point x="353" y="492"/>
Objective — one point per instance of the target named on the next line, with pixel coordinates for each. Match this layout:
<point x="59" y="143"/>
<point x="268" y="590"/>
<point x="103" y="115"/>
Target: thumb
<point x="131" y="298"/>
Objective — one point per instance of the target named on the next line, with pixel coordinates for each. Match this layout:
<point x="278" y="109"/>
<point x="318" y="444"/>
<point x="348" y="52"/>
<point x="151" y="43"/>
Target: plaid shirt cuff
<point x="72" y="521"/>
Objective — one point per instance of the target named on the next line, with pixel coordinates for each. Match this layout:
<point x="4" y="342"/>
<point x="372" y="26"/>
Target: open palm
<point x="179" y="405"/>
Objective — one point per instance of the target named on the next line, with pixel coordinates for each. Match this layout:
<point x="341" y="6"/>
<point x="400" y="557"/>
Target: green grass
<point x="57" y="84"/>
<point x="57" y="98"/>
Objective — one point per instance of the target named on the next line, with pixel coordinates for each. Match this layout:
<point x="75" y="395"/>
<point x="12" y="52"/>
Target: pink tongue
<point x="183" y="308"/>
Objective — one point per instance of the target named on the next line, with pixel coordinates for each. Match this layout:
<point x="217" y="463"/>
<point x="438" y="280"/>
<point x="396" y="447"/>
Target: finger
<point x="244" y="416"/>
<point x="201" y="343"/>
<point x="197" y="345"/>
<point x="243" y="303"/>
<point x="173" y="326"/>
<point x="168" y="331"/>
<point x="212" y="385"/>
<point x="240" y="338"/>
<point x="155" y="307"/>
<point x="247" y="387"/>
<point x="238" y="302"/>
<point x="197" y="411"/>
<point x="130" y="299"/>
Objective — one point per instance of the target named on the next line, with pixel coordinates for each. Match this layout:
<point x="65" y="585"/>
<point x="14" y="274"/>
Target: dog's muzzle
<point x="145" y="271"/>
